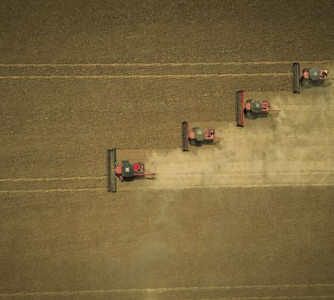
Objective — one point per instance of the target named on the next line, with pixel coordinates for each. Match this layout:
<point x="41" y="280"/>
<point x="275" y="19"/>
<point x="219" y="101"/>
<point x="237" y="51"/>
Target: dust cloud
<point x="294" y="147"/>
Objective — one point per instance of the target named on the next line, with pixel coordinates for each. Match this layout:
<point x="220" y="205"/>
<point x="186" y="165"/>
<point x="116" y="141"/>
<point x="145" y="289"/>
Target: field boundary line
<point x="55" y="190"/>
<point x="170" y="64"/>
<point x="148" y="76"/>
<point x="164" y="290"/>
<point x="32" y="179"/>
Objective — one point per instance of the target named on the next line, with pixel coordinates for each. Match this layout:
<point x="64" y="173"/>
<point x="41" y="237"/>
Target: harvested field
<point x="248" y="219"/>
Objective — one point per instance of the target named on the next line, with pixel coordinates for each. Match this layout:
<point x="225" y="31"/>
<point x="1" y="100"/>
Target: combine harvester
<point x="124" y="171"/>
<point x="308" y="78"/>
<point x="197" y="136"/>
<point x="251" y="109"/>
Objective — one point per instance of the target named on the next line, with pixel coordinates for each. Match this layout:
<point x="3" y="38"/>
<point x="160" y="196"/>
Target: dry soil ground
<point x="250" y="218"/>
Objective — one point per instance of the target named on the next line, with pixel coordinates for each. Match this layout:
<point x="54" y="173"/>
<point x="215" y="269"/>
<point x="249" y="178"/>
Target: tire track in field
<point x="180" y="70"/>
<point x="56" y="190"/>
<point x="51" y="179"/>
<point x="175" y="64"/>
<point x="293" y="290"/>
<point x="149" y="76"/>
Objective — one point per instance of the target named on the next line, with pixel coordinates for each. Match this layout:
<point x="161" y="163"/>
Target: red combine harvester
<point x="308" y="78"/>
<point x="251" y="109"/>
<point x="124" y="171"/>
<point x="197" y="136"/>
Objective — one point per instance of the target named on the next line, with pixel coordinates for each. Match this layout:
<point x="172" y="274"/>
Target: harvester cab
<point x="251" y="108"/>
<point x="308" y="77"/>
<point x="126" y="169"/>
<point x="197" y="136"/>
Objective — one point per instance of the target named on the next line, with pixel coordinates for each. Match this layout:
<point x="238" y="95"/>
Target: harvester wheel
<point x="197" y="143"/>
<point x="306" y="83"/>
<point x="250" y="115"/>
<point x="192" y="142"/>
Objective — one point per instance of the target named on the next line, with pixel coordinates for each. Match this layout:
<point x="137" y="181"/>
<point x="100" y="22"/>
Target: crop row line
<point x="148" y="76"/>
<point x="171" y="64"/>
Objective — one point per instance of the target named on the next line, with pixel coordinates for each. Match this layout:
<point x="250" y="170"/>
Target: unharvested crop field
<point x="250" y="218"/>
